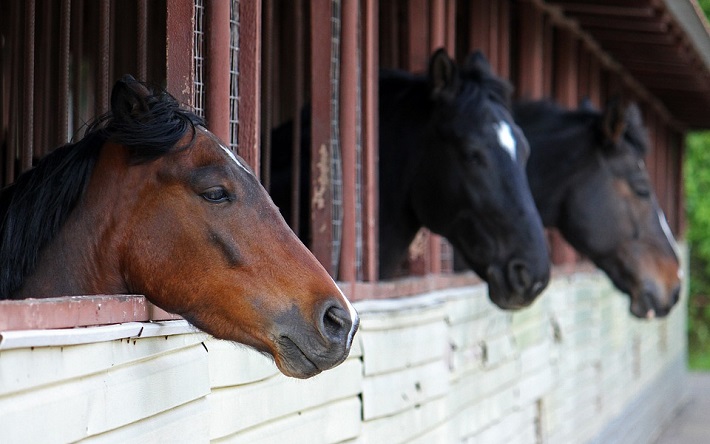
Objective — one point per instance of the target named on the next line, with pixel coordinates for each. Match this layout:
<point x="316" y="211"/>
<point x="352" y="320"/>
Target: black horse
<point x="451" y="159"/>
<point x="588" y="177"/>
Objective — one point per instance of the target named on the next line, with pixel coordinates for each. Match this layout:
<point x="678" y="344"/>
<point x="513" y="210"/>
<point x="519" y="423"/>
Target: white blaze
<point x="505" y="138"/>
<point x="233" y="157"/>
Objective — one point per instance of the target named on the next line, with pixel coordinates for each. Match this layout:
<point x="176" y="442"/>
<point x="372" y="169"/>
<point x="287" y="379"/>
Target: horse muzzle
<point x="303" y="350"/>
<point x="651" y="301"/>
<point x="515" y="286"/>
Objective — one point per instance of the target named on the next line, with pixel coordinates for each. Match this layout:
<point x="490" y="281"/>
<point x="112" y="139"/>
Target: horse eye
<point x="474" y="156"/>
<point x="215" y="195"/>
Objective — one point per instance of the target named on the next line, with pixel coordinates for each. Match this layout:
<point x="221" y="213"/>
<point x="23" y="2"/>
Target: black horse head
<point x="452" y="160"/>
<point x="589" y="179"/>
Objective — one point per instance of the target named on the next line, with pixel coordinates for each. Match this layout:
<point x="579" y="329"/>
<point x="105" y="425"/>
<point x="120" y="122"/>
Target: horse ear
<point x="477" y="62"/>
<point x="613" y="121"/>
<point x="129" y="97"/>
<point x="633" y="114"/>
<point x="443" y="76"/>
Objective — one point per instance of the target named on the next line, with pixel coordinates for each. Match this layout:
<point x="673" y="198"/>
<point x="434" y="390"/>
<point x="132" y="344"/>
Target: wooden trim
<point x="250" y="82"/>
<point x="217" y="65"/>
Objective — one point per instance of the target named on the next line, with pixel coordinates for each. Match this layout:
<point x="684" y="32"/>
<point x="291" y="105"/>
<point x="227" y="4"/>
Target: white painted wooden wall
<point x="443" y="367"/>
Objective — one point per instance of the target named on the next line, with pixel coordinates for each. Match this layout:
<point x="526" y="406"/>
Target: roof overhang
<point x="663" y="44"/>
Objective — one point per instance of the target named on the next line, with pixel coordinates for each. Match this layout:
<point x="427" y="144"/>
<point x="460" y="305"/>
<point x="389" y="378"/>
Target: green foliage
<point x="697" y="187"/>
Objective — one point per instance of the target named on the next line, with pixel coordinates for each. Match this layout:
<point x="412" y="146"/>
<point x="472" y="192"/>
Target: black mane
<point x="148" y="121"/>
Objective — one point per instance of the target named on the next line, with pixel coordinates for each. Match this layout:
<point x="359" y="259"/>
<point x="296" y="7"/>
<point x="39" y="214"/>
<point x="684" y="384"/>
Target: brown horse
<point x="150" y="202"/>
<point x="589" y="179"/>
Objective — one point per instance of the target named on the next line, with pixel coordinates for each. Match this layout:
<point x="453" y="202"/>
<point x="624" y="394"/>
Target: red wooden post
<point x="370" y="137"/>
<point x="249" y="82"/>
<point x="179" y="49"/>
<point x="530" y="80"/>
<point x="348" y="135"/>
<point x="321" y="148"/>
<point x="217" y="38"/>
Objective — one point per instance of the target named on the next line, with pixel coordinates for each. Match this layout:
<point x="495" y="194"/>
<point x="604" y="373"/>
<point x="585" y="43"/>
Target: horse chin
<point x="292" y="361"/>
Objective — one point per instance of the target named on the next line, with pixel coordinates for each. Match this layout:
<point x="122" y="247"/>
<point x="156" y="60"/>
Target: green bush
<point x="697" y="184"/>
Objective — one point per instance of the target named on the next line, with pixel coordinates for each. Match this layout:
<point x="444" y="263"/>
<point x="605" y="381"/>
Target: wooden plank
<point x="404" y="426"/>
<point x="185" y="423"/>
<point x="27" y="368"/>
<point x="390" y="393"/>
<point x="337" y="421"/>
<point x="241" y="407"/>
<point x="77" y="408"/>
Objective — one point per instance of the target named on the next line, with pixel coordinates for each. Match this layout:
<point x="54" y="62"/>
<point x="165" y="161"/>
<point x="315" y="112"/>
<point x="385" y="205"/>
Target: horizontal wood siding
<point x="442" y="366"/>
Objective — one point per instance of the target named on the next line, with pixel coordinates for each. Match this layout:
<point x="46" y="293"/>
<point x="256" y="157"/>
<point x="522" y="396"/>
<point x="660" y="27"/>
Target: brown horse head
<point x="186" y="223"/>
<point x="589" y="179"/>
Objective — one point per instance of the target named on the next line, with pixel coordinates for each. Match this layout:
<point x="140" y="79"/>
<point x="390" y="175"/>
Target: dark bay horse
<point x="150" y="202"/>
<point x="589" y="179"/>
<point x="451" y="159"/>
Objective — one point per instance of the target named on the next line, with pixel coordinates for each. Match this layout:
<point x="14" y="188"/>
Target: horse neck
<point x="84" y="256"/>
<point x="405" y="111"/>
<point x="558" y="155"/>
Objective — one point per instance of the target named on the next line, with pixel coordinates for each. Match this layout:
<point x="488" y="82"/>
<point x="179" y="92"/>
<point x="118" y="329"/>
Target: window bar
<point x="77" y="52"/>
<point x="297" y="105"/>
<point x="64" y="43"/>
<point x="29" y="75"/>
<point x="142" y="40"/>
<point x="103" y="66"/>
<point x="268" y="83"/>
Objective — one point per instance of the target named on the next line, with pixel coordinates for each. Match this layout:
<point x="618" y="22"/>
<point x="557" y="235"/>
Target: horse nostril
<point x="519" y="276"/>
<point x="335" y="324"/>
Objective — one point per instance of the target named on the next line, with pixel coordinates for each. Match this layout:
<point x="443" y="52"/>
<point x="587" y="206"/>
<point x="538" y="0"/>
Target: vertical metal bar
<point x="29" y="75"/>
<point x="217" y="62"/>
<point x="250" y="81"/>
<point x="13" y="137"/>
<point x="77" y="52"/>
<point x="370" y="68"/>
<point x="179" y="49"/>
<point x="348" y="122"/>
<point x="297" y="105"/>
<point x="267" y="87"/>
<point x="64" y="43"/>
<point x="102" y="68"/>
<point x="142" y="40"/>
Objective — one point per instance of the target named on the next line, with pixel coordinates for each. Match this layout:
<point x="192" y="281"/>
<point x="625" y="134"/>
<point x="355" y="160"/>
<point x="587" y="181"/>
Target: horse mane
<point x="36" y="206"/>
